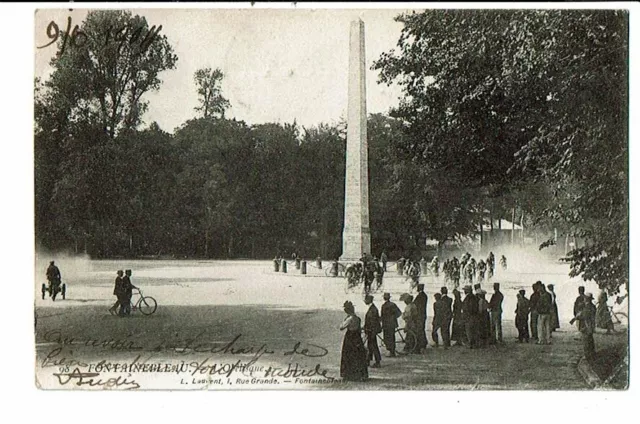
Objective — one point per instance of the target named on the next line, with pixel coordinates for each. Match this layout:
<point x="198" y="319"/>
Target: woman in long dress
<point x="603" y="317"/>
<point x="353" y="362"/>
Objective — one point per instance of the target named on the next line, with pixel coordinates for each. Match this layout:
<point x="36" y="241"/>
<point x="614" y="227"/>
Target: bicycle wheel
<point x="406" y="341"/>
<point x="147" y="305"/>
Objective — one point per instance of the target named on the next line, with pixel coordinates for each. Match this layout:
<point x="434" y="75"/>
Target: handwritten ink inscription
<point x="120" y="35"/>
<point x="232" y="363"/>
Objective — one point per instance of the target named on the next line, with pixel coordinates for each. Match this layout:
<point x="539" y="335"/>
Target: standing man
<point x="470" y="316"/>
<point x="421" y="306"/>
<point x="544" y="315"/>
<point x="586" y="318"/>
<point x="579" y="303"/>
<point x="533" y="307"/>
<point x="383" y="259"/>
<point x="522" y="317"/>
<point x="118" y="291"/>
<point x="372" y="328"/>
<point x="437" y="320"/>
<point x="495" y="307"/>
<point x="447" y="316"/>
<point x="555" y="319"/>
<point x="390" y="314"/>
<point x="128" y="292"/>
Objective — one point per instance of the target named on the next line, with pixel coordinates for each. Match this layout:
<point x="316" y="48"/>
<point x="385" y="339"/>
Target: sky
<point x="279" y="65"/>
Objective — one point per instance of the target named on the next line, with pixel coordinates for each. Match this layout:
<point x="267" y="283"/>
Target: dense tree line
<point x="503" y="116"/>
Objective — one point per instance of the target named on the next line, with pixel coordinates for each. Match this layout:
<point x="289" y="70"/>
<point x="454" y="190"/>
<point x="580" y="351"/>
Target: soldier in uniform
<point x="522" y="317"/>
<point x="495" y="307"/>
<point x="389" y="318"/>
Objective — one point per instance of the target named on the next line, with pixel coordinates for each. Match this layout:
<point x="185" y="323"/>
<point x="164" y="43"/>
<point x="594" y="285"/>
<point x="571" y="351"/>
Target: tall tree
<point x="507" y="97"/>
<point x="208" y="84"/>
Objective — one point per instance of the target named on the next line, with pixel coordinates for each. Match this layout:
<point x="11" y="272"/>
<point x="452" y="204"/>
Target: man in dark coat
<point x="389" y="318"/>
<point x="421" y="305"/>
<point x="436" y="324"/>
<point x="586" y="318"/>
<point x="447" y="315"/>
<point x="118" y="291"/>
<point x="495" y="309"/>
<point x="470" y="309"/>
<point x="555" y="318"/>
<point x="127" y="288"/>
<point x="372" y="328"/>
<point x="522" y="317"/>
<point x="384" y="259"/>
<point x="54" y="278"/>
<point x="533" y="307"/>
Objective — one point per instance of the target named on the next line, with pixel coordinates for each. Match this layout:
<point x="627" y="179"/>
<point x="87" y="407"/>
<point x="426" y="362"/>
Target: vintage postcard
<point x="297" y="198"/>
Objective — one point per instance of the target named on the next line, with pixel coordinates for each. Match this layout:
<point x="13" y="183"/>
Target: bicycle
<point x="53" y="288"/>
<point x="406" y="340"/>
<point x="336" y="268"/>
<point x="145" y="304"/>
<point x="615" y="316"/>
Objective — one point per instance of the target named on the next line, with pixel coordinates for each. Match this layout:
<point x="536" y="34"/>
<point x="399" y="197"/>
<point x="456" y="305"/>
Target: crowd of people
<point x="469" y="319"/>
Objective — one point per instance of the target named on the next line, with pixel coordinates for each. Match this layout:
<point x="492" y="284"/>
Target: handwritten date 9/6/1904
<point x="76" y="37"/>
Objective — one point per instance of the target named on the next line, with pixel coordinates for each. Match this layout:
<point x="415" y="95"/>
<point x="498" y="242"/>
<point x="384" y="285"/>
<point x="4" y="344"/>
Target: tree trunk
<point x="130" y="244"/>
<point x="513" y="224"/>
<point x="566" y="244"/>
<point x="206" y="243"/>
<point x="522" y="226"/>
<point x="230" y="246"/>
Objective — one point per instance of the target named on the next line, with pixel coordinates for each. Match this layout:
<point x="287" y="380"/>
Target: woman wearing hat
<point x="353" y="362"/>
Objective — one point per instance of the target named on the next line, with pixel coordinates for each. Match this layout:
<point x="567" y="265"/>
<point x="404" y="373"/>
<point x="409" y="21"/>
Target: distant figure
<point x="276" y="264"/>
<point x="435" y="266"/>
<point x="555" y="319"/>
<point x="437" y="320"/>
<point x="586" y="324"/>
<point x="421" y="301"/>
<point x="119" y="292"/>
<point x="455" y="272"/>
<point x="503" y="262"/>
<point x="384" y="259"/>
<point x="603" y="315"/>
<point x="522" y="317"/>
<point x="353" y="361"/>
<point x="319" y="262"/>
<point x="424" y="266"/>
<point x="54" y="278"/>
<point x="389" y="317"/>
<point x="491" y="264"/>
<point x="372" y="328"/>
<point x="482" y="269"/>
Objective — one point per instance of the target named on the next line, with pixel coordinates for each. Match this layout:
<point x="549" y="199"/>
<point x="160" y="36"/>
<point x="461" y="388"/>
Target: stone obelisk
<point x="356" y="235"/>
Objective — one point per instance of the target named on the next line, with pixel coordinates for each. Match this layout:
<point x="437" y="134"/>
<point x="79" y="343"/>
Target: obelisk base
<point x="355" y="244"/>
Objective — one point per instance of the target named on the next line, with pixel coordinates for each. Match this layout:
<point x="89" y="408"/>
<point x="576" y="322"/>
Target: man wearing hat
<point x="447" y="316"/>
<point x="544" y="315"/>
<point x="389" y="317"/>
<point x="371" y="329"/>
<point x="579" y="303"/>
<point x="421" y="306"/>
<point x="495" y="308"/>
<point x="586" y="318"/>
<point x="470" y="309"/>
<point x="533" y="307"/>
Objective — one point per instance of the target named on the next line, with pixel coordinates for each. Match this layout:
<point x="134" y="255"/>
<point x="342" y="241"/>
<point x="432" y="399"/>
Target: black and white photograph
<point x="331" y="199"/>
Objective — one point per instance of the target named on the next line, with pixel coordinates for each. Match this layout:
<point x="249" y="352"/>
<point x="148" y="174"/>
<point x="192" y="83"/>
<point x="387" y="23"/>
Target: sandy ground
<point x="239" y="325"/>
